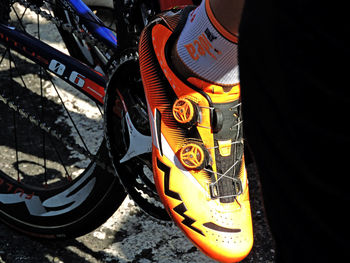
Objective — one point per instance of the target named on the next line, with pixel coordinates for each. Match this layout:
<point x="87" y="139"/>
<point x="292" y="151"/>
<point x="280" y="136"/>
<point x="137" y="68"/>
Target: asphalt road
<point x="130" y="235"/>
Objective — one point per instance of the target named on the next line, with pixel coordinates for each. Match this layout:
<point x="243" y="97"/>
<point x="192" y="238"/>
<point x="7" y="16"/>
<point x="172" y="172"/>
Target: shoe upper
<point x="198" y="159"/>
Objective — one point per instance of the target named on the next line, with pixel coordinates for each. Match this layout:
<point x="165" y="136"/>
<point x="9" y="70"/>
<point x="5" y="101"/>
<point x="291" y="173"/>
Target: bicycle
<point x="78" y="188"/>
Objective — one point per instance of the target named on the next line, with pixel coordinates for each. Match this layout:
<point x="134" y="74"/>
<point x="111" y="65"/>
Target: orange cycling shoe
<point x="197" y="155"/>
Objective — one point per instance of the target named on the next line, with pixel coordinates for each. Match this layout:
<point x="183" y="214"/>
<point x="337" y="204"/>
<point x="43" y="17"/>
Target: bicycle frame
<point x="74" y="72"/>
<point x="92" y="23"/>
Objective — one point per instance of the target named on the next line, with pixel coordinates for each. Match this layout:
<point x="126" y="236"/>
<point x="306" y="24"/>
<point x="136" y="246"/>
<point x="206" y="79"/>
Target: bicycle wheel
<point x="50" y="186"/>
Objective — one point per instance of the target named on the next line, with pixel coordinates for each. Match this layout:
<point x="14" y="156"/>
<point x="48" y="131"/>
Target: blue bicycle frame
<point x="93" y="23"/>
<point x="74" y="72"/>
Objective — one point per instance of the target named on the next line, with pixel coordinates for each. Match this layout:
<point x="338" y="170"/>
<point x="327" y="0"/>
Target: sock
<point x="207" y="48"/>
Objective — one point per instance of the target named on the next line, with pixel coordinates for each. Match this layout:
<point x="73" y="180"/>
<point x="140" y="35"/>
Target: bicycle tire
<point x="75" y="194"/>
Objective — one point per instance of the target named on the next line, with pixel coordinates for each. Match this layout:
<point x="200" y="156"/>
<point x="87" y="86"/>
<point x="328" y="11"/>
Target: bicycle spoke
<point x="42" y="111"/>
<point x="14" y="120"/>
<point x="19" y="19"/>
<point x="69" y="177"/>
<point x="20" y="75"/>
<point x="69" y="115"/>
<point x="99" y="109"/>
<point x="3" y="56"/>
<point x="41" y="108"/>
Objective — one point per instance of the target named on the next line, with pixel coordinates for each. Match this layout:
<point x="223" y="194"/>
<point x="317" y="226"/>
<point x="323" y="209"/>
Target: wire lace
<point x="236" y="142"/>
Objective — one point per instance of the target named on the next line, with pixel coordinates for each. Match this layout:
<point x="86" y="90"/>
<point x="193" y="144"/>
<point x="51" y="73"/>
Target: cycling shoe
<point x="197" y="147"/>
